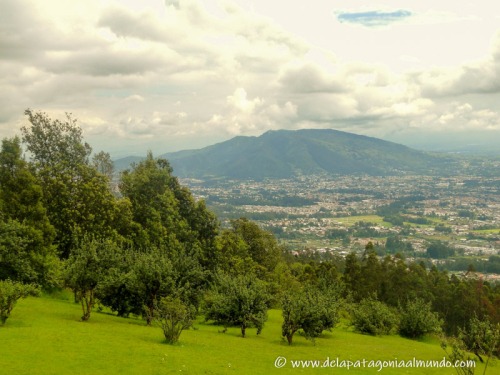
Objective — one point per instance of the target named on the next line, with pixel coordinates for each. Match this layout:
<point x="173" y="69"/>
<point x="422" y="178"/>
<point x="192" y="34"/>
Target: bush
<point x="10" y="293"/>
<point x="86" y="269"/>
<point x="373" y="317"/>
<point x="238" y="301"/>
<point x="417" y="319"/>
<point x="172" y="316"/>
<point x="310" y="309"/>
<point x="481" y="337"/>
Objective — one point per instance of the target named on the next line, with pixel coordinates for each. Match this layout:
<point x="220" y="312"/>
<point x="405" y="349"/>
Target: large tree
<point x="26" y="235"/>
<point x="166" y="210"/>
<point x="75" y="194"/>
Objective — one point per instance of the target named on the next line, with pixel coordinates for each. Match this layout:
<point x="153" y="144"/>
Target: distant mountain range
<point x="286" y="153"/>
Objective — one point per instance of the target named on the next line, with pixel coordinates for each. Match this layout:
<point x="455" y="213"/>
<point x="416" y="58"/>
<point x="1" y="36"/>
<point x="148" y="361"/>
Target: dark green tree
<point x="25" y="228"/>
<point x="417" y="319"/>
<point x="75" y="195"/>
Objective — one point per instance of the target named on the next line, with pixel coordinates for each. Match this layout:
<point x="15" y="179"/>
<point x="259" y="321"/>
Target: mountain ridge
<point x="286" y="153"/>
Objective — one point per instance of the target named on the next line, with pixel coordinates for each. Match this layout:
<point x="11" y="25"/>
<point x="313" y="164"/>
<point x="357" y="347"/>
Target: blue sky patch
<point x="373" y="18"/>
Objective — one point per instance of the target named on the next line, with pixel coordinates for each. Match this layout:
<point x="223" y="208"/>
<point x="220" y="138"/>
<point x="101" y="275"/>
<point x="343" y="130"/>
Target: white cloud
<point x="190" y="70"/>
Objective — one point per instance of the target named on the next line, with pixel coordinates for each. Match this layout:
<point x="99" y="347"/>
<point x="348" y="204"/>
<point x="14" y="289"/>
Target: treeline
<point x="463" y="264"/>
<point x="281" y="201"/>
<point x="157" y="253"/>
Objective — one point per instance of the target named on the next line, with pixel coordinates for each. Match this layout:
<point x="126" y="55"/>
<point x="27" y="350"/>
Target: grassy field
<point x="487" y="231"/>
<point x="45" y="336"/>
<point x="351" y="220"/>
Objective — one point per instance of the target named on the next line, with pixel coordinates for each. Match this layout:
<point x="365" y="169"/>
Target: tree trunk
<point x="289" y="338"/>
<point x="243" y="328"/>
<point x="150" y="315"/>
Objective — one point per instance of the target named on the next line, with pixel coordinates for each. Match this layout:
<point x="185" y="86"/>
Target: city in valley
<point x="450" y="222"/>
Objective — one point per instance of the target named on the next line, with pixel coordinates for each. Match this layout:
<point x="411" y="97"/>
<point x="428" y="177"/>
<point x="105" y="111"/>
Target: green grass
<point x="487" y="231"/>
<point x="45" y="336"/>
<point x="351" y="220"/>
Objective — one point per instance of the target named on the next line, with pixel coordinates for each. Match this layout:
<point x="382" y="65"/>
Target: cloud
<point x="373" y="18"/>
<point x="186" y="72"/>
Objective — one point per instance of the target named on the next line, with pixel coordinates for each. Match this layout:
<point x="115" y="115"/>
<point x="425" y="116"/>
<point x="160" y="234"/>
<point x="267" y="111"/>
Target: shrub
<point x="87" y="268"/>
<point x="417" y="319"/>
<point x="10" y="293"/>
<point x="172" y="316"/>
<point x="373" y="317"/>
<point x="241" y="301"/>
<point x="480" y="337"/>
<point x="310" y="309"/>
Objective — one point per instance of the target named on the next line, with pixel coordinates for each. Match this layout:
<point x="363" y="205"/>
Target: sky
<point x="182" y="74"/>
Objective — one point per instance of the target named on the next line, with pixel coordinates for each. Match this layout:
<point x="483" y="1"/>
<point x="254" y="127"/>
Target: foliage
<point x="373" y="317"/>
<point x="480" y="338"/>
<point x="439" y="250"/>
<point x="459" y="354"/>
<point x="152" y="278"/>
<point x="311" y="310"/>
<point x="26" y="249"/>
<point x="76" y="196"/>
<point x="172" y="316"/>
<point x="19" y="261"/>
<point x="87" y="268"/>
<point x="10" y="293"/>
<point x="165" y="210"/>
<point x="241" y="300"/>
<point x="417" y="319"/>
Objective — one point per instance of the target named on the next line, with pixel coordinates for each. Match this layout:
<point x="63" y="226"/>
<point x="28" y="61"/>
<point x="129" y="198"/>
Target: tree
<point x="310" y="309"/>
<point x="372" y="317"/>
<point x="87" y="268"/>
<point x="52" y="141"/>
<point x="10" y="293"/>
<point x="19" y="261"/>
<point x="153" y="277"/>
<point x="471" y="268"/>
<point x="481" y="338"/>
<point x="166" y="210"/>
<point x="75" y="195"/>
<point x="24" y="218"/>
<point x="105" y="166"/>
<point x="238" y="301"/>
<point x="417" y="319"/>
<point x="172" y="316"/>
<point x="262" y="246"/>
<point x="103" y="163"/>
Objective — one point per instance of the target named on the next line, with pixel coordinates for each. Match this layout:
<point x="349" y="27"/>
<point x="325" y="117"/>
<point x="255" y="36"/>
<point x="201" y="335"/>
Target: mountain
<point x="285" y="153"/>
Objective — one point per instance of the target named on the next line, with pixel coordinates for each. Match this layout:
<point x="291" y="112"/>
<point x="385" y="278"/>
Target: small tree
<point x="10" y="293"/>
<point x="87" y="267"/>
<point x="373" y="317"/>
<point x="172" y="316"/>
<point x="458" y="354"/>
<point x="153" y="277"/>
<point x="241" y="301"/>
<point x="480" y="338"/>
<point x="417" y="319"/>
<point x="310" y="309"/>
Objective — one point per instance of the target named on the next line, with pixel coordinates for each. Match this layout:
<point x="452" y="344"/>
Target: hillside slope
<point x="45" y="336"/>
<point x="283" y="154"/>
